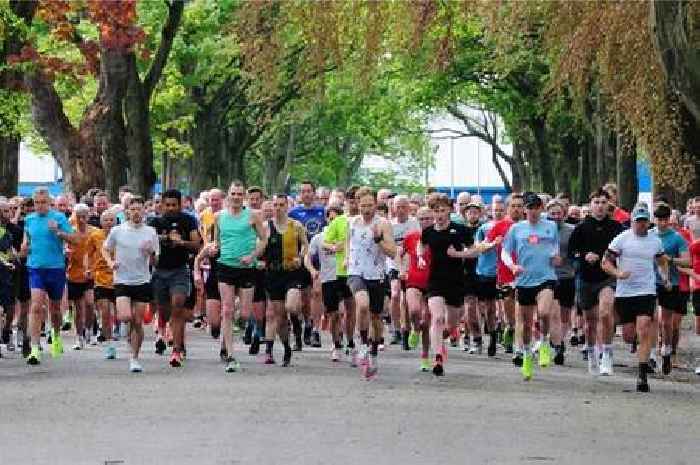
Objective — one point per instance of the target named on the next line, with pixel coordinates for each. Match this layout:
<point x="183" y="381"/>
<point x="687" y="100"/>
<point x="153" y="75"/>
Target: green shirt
<point x="337" y="233"/>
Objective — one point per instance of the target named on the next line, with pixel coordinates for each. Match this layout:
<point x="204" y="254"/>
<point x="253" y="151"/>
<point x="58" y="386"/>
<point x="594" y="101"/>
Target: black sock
<point x="351" y="343"/>
<point x="364" y="336"/>
<point x="338" y="345"/>
<point x="374" y="350"/>
<point x="493" y="337"/>
<point x="268" y="347"/>
<point x="643" y="368"/>
<point x="478" y="340"/>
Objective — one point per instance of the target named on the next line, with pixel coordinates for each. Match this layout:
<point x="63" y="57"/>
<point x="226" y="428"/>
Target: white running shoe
<point x="93" y="339"/>
<point x="78" y="343"/>
<point x="335" y="355"/>
<point x="135" y="366"/>
<point x="592" y="362"/>
<point x="697" y="371"/>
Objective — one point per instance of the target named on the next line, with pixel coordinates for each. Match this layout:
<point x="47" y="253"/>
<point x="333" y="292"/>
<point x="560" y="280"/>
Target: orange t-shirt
<point x="101" y="273"/>
<point x="77" y="258"/>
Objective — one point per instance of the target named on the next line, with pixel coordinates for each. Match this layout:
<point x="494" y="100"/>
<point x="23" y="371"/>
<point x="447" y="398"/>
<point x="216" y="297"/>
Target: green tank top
<point x="237" y="238"/>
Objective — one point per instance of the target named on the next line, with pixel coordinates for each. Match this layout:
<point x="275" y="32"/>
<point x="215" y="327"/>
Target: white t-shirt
<point x="326" y="258"/>
<point x="126" y="241"/>
<point x="636" y="254"/>
<point x="400" y="231"/>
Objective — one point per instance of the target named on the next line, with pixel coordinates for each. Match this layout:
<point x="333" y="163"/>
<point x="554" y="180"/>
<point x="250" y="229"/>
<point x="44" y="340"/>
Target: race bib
<point x="533" y="239"/>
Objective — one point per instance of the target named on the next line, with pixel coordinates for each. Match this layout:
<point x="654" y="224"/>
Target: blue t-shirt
<point x="486" y="264"/>
<point x="313" y="218"/>
<point x="674" y="246"/>
<point x="534" y="246"/>
<point x="45" y="248"/>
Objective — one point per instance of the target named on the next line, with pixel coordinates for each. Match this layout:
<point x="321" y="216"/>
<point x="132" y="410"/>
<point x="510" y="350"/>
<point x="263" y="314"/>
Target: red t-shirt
<point x="684" y="279"/>
<point x="500" y="229"/>
<point x="694" y="250"/>
<point x="416" y="277"/>
<point x="620" y="215"/>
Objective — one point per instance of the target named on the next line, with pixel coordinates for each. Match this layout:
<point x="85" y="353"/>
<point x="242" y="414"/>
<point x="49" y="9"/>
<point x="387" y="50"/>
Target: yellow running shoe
<point x="425" y="365"/>
<point x="56" y="344"/>
<point x="527" y="367"/>
<point x="34" y="357"/>
<point x="545" y="354"/>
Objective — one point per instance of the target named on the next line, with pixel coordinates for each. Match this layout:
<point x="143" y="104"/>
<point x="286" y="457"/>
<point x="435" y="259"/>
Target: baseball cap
<point x="475" y="205"/>
<point x="640" y="212"/>
<point x="531" y="199"/>
<point x="662" y="211"/>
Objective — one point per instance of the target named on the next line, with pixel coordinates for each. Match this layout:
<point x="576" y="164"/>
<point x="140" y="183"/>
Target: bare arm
<point x="261" y="232"/>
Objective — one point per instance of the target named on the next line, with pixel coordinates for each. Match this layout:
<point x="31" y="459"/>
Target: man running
<point x="104" y="280"/>
<point x="179" y="236"/>
<point x="369" y="241"/>
<point x="129" y="251"/>
<point x="670" y="301"/>
<point x="286" y="247"/>
<point x="535" y="244"/>
<point x="472" y="223"/>
<point x="239" y="240"/>
<point x="587" y="244"/>
<point x="504" y="276"/>
<point x="45" y="232"/>
<point x="630" y="258"/>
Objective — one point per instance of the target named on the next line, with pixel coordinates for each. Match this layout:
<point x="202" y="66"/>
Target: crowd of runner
<point x="530" y="274"/>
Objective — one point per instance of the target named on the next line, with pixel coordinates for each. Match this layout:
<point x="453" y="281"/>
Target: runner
<point x="504" y="277"/>
<point x="129" y="251"/>
<point x="8" y="257"/>
<point x="416" y="279"/>
<point x="535" y="244"/>
<point x="472" y="317"/>
<point x="565" y="288"/>
<point x="80" y="277"/>
<point x="587" y="244"/>
<point x="45" y="232"/>
<point x="630" y="259"/>
<point x="320" y="261"/>
<point x="694" y="273"/>
<point x="100" y="204"/>
<point x="12" y="270"/>
<point x="445" y="290"/>
<point x="239" y="239"/>
<point x="204" y="269"/>
<point x="487" y="290"/>
<point x="178" y="235"/>
<point x="313" y="218"/>
<point x="369" y="241"/>
<point x="285" y="280"/>
<point x="255" y="325"/>
<point x="402" y="224"/>
<point x="670" y="300"/>
<point x="104" y="280"/>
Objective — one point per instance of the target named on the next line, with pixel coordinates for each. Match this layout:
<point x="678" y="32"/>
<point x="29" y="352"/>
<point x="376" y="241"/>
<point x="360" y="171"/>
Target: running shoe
<point x="232" y="365"/>
<point x="454" y="342"/>
<point x="438" y="369"/>
<point x="307" y="334"/>
<point x="93" y="340"/>
<point x="642" y="385"/>
<point x="79" y="344"/>
<point x="527" y="367"/>
<point x="573" y="342"/>
<point x="536" y="346"/>
<point x="10" y="346"/>
<point x="363" y="355"/>
<point x="248" y="335"/>
<point x="297" y="343"/>
<point x="545" y="354"/>
<point x="34" y="357"/>
<point x="491" y="350"/>
<point x="67" y="321"/>
<point x="606" y="363"/>
<point x="697" y="371"/>
<point x="176" y="359"/>
<point x="652" y="364"/>
<point x="110" y="353"/>
<point x="396" y="338"/>
<point x="287" y="356"/>
<point x="592" y="359"/>
<point x="254" y="348"/>
<point x="508" y="340"/>
<point x="413" y="339"/>
<point x="269" y="360"/>
<point x="442" y="350"/>
<point x="160" y="346"/>
<point x="315" y="339"/>
<point x="335" y="355"/>
<point x="582" y="340"/>
<point x="518" y="359"/>
<point x="56" y="345"/>
<point x="223" y="354"/>
<point x="135" y="366"/>
<point x="425" y="364"/>
<point x="476" y="348"/>
<point x="197" y="323"/>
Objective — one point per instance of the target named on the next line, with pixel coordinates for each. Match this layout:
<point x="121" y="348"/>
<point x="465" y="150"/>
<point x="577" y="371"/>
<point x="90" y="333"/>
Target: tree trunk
<point x="627" y="182"/>
<point x="9" y="165"/>
<point x="544" y="159"/>
<point x="518" y="168"/>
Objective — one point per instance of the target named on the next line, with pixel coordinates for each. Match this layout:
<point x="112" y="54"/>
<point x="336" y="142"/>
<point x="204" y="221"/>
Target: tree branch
<point x="175" y="9"/>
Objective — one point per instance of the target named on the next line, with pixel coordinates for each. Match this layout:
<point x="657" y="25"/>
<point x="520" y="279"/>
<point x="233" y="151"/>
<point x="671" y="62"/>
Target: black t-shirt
<point x="442" y="267"/>
<point x="594" y="236"/>
<point x="470" y="263"/>
<point x="171" y="256"/>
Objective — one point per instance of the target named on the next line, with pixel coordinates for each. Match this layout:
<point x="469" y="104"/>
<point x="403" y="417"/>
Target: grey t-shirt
<point x="566" y="270"/>
<point x="636" y="254"/>
<point x="126" y="240"/>
<point x="692" y="224"/>
<point x="326" y="258"/>
<point x="400" y="231"/>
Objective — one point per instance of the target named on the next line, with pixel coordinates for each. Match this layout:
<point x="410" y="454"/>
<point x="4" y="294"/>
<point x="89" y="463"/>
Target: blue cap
<point x="641" y="212"/>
